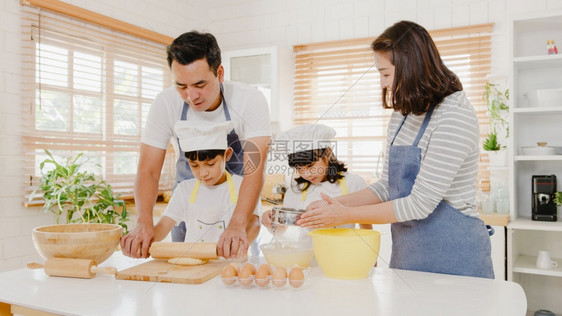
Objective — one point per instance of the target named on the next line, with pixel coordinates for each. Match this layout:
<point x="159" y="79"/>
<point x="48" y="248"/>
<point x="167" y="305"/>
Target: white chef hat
<point x="307" y="137"/>
<point x="202" y="135"/>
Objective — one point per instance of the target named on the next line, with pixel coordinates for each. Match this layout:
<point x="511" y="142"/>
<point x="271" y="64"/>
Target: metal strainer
<point x="285" y="215"/>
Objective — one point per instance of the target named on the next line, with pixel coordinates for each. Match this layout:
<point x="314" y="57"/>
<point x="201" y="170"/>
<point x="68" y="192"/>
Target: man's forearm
<point x="250" y="190"/>
<point x="146" y="192"/>
<point x="251" y="186"/>
<point x="146" y="184"/>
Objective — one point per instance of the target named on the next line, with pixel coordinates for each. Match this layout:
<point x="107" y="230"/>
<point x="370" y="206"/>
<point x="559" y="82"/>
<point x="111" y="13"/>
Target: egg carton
<point x="263" y="276"/>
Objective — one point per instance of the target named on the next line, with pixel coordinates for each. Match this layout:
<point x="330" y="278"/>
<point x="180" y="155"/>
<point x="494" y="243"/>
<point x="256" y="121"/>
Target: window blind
<point x="87" y="89"/>
<point x="337" y="84"/>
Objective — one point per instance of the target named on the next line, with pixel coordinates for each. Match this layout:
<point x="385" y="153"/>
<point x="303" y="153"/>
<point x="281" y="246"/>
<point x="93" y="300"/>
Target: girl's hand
<point x="324" y="213"/>
<point x="268" y="223"/>
<point x="266" y="219"/>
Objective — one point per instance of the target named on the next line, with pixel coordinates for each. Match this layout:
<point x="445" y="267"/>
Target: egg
<point x="246" y="273"/>
<point x="262" y="275"/>
<point x="279" y="276"/>
<point x="236" y="266"/>
<point x="250" y="266"/>
<point x="228" y="275"/>
<point x="296" y="277"/>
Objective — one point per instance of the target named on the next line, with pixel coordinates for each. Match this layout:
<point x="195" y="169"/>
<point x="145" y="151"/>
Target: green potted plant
<point x="498" y="109"/>
<point x="81" y="197"/>
<point x="491" y="142"/>
<point x="558" y="198"/>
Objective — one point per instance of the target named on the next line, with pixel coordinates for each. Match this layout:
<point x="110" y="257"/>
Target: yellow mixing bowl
<point x="345" y="253"/>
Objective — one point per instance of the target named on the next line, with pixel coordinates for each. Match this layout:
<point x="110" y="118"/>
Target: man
<point x="201" y="94"/>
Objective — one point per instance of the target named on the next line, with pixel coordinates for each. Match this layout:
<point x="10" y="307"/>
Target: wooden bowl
<point x="78" y="241"/>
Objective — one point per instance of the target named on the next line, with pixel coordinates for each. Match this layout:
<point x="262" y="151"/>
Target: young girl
<point x="317" y="169"/>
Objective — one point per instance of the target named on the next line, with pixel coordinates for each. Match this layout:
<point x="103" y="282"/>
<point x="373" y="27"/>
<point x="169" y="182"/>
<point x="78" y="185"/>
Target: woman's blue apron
<point x="447" y="241"/>
<point x="235" y="165"/>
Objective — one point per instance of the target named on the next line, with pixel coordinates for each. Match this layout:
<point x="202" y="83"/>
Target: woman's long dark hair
<point x="304" y="158"/>
<point x="421" y="79"/>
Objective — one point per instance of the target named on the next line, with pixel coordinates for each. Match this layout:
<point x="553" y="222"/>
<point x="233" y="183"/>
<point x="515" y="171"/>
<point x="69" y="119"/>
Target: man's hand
<point x="137" y="242"/>
<point x="233" y="242"/>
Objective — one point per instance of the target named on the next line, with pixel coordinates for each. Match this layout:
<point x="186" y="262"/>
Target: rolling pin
<point x="169" y="250"/>
<point x="73" y="268"/>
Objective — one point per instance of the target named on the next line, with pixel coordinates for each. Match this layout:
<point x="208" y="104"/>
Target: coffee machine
<point x="544" y="188"/>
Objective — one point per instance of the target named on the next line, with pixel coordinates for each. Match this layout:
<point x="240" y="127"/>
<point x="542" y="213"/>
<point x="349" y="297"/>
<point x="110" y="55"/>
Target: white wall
<point x="237" y="25"/>
<point x="259" y="23"/>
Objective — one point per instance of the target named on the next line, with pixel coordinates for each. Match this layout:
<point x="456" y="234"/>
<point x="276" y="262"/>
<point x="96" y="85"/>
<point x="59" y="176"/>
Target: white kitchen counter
<point x="384" y="292"/>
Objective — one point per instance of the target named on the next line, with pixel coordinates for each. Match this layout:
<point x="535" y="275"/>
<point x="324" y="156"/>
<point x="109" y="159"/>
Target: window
<point x="88" y="89"/>
<point x="337" y="84"/>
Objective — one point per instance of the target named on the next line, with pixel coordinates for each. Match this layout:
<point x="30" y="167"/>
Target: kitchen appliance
<point x="285" y="215"/>
<point x="544" y="188"/>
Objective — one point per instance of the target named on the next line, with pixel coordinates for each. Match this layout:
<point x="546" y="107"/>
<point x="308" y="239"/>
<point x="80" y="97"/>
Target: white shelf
<point x="527" y="264"/>
<point x="533" y="69"/>
<point x="538" y="158"/>
<point x="540" y="60"/>
<point x="525" y="223"/>
<point x="538" y="110"/>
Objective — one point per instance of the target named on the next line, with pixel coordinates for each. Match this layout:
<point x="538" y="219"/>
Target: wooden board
<point x="495" y="219"/>
<point x="162" y="271"/>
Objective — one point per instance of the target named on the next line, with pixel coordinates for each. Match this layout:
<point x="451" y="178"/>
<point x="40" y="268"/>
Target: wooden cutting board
<point x="162" y="271"/>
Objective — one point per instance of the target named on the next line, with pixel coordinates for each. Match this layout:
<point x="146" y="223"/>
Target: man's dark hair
<point x="192" y="46"/>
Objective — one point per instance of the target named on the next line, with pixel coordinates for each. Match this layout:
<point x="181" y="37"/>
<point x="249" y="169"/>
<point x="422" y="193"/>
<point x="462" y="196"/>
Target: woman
<point x="428" y="186"/>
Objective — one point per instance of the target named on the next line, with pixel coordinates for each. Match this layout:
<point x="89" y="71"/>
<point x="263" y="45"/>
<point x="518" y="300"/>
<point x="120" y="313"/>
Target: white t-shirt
<point x="247" y="106"/>
<point x="207" y="218"/>
<point x="293" y="199"/>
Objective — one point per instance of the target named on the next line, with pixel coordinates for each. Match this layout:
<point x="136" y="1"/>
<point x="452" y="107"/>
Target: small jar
<point x="486" y="203"/>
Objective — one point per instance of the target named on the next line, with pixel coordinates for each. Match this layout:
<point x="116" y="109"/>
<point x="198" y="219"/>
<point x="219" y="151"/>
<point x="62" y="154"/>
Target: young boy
<point x="206" y="202"/>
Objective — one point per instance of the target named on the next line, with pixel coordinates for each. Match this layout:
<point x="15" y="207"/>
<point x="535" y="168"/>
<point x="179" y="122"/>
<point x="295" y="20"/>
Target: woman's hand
<point x="323" y="213"/>
<point x="316" y="204"/>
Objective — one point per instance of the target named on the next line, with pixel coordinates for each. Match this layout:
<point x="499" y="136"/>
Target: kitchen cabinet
<point x="533" y="69"/>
